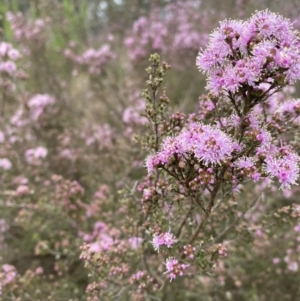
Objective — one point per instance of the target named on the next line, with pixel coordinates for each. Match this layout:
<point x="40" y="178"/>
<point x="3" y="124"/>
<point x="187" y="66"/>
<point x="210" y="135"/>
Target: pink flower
<point x="4" y="48"/>
<point x="135" y="242"/>
<point x="22" y="190"/>
<point x="285" y="169"/>
<point x="163" y="239"/>
<point x="174" y="268"/>
<point x="38" y="103"/>
<point x="276" y="260"/>
<point x="297" y="228"/>
<point x="222" y="250"/>
<point x="39" y="152"/>
<point x="8" y="67"/>
<point x="5" y="164"/>
<point x="13" y="54"/>
<point x="293" y="266"/>
<point x="9" y="273"/>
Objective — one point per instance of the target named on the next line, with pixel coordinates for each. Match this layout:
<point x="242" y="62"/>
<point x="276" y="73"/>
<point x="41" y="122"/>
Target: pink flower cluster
<point x="290" y="108"/>
<point x="284" y="168"/>
<point x="7" y="274"/>
<point x="33" y="155"/>
<point x="27" y="31"/>
<point x="268" y="160"/>
<point x="263" y="49"/>
<point x="99" y="239"/>
<point x="143" y="280"/>
<point x="163" y="239"/>
<point x="222" y="250"/>
<point x="207" y="143"/>
<point x="92" y="59"/>
<point x="211" y="146"/>
<point x="133" y="114"/>
<point x="174" y="268"/>
<point x="8" y="56"/>
<point x="38" y="103"/>
<point x="100" y="136"/>
<point x="18" y="119"/>
<point x="247" y="166"/>
<point x="177" y="30"/>
<point x="5" y="164"/>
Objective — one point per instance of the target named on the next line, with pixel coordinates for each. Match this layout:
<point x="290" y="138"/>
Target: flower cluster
<point x="94" y="60"/>
<point x="222" y="250"/>
<point x="35" y="154"/>
<point x="289" y="109"/>
<point x="189" y="251"/>
<point x="174" y="268"/>
<point x="285" y="169"/>
<point x="99" y="240"/>
<point x="8" y="56"/>
<point x="5" y="164"/>
<point x="7" y="274"/>
<point x="100" y="136"/>
<point x="176" y="31"/>
<point x="247" y="166"/>
<point x="38" y="103"/>
<point x="132" y="114"/>
<point x="263" y="49"/>
<point x="163" y="239"/>
<point x="206" y="143"/>
<point x="9" y="70"/>
<point x="27" y="31"/>
<point x="144" y="281"/>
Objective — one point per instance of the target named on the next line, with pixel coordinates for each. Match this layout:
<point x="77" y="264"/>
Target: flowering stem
<point x="210" y="206"/>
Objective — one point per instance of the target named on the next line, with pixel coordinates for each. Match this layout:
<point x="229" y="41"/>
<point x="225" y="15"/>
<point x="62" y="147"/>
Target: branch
<point x="210" y="206"/>
<point x="184" y="221"/>
<point x="234" y="104"/>
<point x="227" y="229"/>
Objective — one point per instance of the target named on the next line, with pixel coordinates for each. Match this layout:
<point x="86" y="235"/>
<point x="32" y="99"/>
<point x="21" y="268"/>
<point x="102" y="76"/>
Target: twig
<point x="184" y="221"/>
<point x="228" y="228"/>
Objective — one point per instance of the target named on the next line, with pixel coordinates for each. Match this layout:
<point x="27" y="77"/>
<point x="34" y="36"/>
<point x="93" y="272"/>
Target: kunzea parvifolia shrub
<point x="210" y="174"/>
<point x="110" y="194"/>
